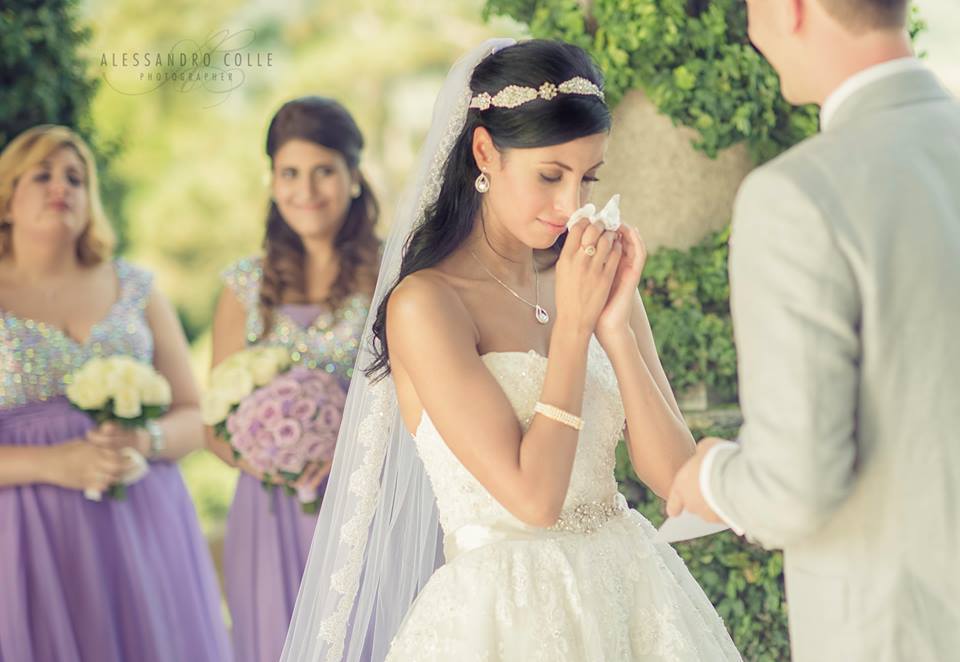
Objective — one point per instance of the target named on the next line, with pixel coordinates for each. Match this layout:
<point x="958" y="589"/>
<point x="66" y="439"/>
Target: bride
<point x="515" y="353"/>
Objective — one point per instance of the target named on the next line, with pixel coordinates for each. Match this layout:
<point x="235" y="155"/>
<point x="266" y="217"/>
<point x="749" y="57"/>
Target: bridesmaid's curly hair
<point x="325" y="122"/>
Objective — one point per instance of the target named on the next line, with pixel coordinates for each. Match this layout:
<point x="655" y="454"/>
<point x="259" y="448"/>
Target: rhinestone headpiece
<point x="516" y="95"/>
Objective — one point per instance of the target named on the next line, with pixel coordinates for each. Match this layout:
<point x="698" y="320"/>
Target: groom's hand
<point x="685" y="492"/>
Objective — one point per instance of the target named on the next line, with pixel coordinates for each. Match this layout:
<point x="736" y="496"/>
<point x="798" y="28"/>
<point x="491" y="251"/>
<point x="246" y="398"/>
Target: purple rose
<point x="303" y="409"/>
<point x="287" y="433"/>
<point x="314" y="390"/>
<point x="246" y="405"/>
<point x="328" y="417"/>
<point x="286" y="405"/>
<point x="243" y="442"/>
<point x="240" y="421"/>
<point x="260" y="460"/>
<point x="300" y="373"/>
<point x="319" y="445"/>
<point x="284" y="387"/>
<point x="290" y="460"/>
<point x="264" y="441"/>
<point x="326" y="386"/>
<point x="336" y="396"/>
<point x="269" y="413"/>
<point x="234" y="424"/>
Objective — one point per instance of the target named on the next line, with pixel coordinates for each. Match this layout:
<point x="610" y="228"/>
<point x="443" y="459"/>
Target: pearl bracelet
<point x="559" y="415"/>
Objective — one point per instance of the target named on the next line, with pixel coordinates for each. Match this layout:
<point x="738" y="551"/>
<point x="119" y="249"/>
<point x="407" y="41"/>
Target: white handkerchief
<point x="139" y="469"/>
<point x="609" y="215"/>
<point x="687" y="526"/>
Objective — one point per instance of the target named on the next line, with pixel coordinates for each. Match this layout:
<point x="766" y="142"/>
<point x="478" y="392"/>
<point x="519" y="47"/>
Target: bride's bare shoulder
<point x="426" y="303"/>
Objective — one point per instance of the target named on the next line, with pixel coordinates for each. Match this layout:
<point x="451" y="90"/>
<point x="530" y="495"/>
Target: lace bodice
<point x="462" y="500"/>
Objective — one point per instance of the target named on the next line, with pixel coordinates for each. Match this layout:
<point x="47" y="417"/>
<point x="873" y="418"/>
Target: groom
<point x="845" y="277"/>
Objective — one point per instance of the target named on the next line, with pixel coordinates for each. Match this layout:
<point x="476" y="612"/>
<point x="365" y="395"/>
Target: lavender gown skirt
<point x="265" y="552"/>
<point x="102" y="582"/>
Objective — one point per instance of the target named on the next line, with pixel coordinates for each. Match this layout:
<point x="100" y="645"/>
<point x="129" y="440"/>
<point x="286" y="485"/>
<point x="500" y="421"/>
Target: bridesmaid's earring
<point x="482" y="184"/>
<point x="355" y="191"/>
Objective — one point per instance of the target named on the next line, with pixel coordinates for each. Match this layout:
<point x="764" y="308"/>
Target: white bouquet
<point x="236" y="378"/>
<point x="123" y="390"/>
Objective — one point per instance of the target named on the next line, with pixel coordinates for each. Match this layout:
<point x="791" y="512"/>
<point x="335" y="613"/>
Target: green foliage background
<point x="687" y="296"/>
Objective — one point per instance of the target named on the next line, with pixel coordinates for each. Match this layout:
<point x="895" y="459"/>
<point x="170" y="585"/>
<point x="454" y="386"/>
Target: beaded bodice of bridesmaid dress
<point x="315" y="336"/>
<point x="36" y="358"/>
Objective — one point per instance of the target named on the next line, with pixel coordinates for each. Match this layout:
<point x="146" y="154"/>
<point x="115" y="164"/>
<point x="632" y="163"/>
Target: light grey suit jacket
<point x="845" y="276"/>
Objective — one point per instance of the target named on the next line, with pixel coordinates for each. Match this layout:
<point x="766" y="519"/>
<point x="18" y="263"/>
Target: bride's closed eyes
<point x="588" y="179"/>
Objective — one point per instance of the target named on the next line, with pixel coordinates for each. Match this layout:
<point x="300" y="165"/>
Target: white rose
<point x="92" y="371"/>
<point x="229" y="366"/>
<point x="216" y="375"/>
<point x="214" y="408"/>
<point x="239" y="359"/>
<point x="234" y="385"/>
<point x="156" y="391"/>
<point x="126" y="404"/>
<point x="122" y="378"/>
<point x="280" y="356"/>
<point x="145" y="373"/>
<point x="263" y="368"/>
<point x="118" y="363"/>
<point x="99" y="370"/>
<point x="87" y="394"/>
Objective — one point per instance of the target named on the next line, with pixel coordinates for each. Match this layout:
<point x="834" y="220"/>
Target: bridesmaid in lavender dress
<point x="84" y="581"/>
<point x="309" y="293"/>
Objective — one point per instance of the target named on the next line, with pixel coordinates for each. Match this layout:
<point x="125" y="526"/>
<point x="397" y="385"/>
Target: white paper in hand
<point x="609" y="215"/>
<point x="687" y="526"/>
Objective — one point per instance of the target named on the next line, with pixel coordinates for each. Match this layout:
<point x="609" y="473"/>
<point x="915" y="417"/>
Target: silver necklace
<point x="538" y="312"/>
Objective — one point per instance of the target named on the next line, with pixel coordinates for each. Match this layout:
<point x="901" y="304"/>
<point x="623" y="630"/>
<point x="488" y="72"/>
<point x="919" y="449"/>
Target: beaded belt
<point x="590" y="516"/>
<point x="583" y="518"/>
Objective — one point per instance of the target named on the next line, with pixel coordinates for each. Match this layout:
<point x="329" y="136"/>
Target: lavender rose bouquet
<point x="282" y="426"/>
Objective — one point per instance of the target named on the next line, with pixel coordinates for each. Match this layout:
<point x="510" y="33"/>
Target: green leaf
<point x="697" y="67"/>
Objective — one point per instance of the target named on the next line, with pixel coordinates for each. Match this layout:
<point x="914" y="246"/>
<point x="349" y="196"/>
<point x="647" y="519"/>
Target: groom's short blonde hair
<point x="865" y="15"/>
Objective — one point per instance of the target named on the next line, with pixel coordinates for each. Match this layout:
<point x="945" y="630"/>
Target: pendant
<point x="541" y="315"/>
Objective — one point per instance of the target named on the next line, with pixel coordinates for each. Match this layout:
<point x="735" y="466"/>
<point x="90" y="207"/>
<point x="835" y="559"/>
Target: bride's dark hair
<point x="538" y="123"/>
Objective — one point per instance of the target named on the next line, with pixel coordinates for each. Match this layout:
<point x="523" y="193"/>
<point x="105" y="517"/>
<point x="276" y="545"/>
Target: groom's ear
<point x="485" y="153"/>
<point x="786" y="17"/>
<point x="795" y="13"/>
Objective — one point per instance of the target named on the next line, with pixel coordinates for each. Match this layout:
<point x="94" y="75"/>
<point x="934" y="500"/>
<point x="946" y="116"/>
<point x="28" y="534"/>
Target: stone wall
<point x="674" y="194"/>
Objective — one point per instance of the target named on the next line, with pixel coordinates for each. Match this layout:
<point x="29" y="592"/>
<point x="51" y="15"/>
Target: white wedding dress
<point x="593" y="588"/>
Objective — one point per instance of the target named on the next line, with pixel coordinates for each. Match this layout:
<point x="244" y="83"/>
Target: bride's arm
<point x="431" y="337"/>
<point x="643" y="334"/>
<point x="657" y="437"/>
